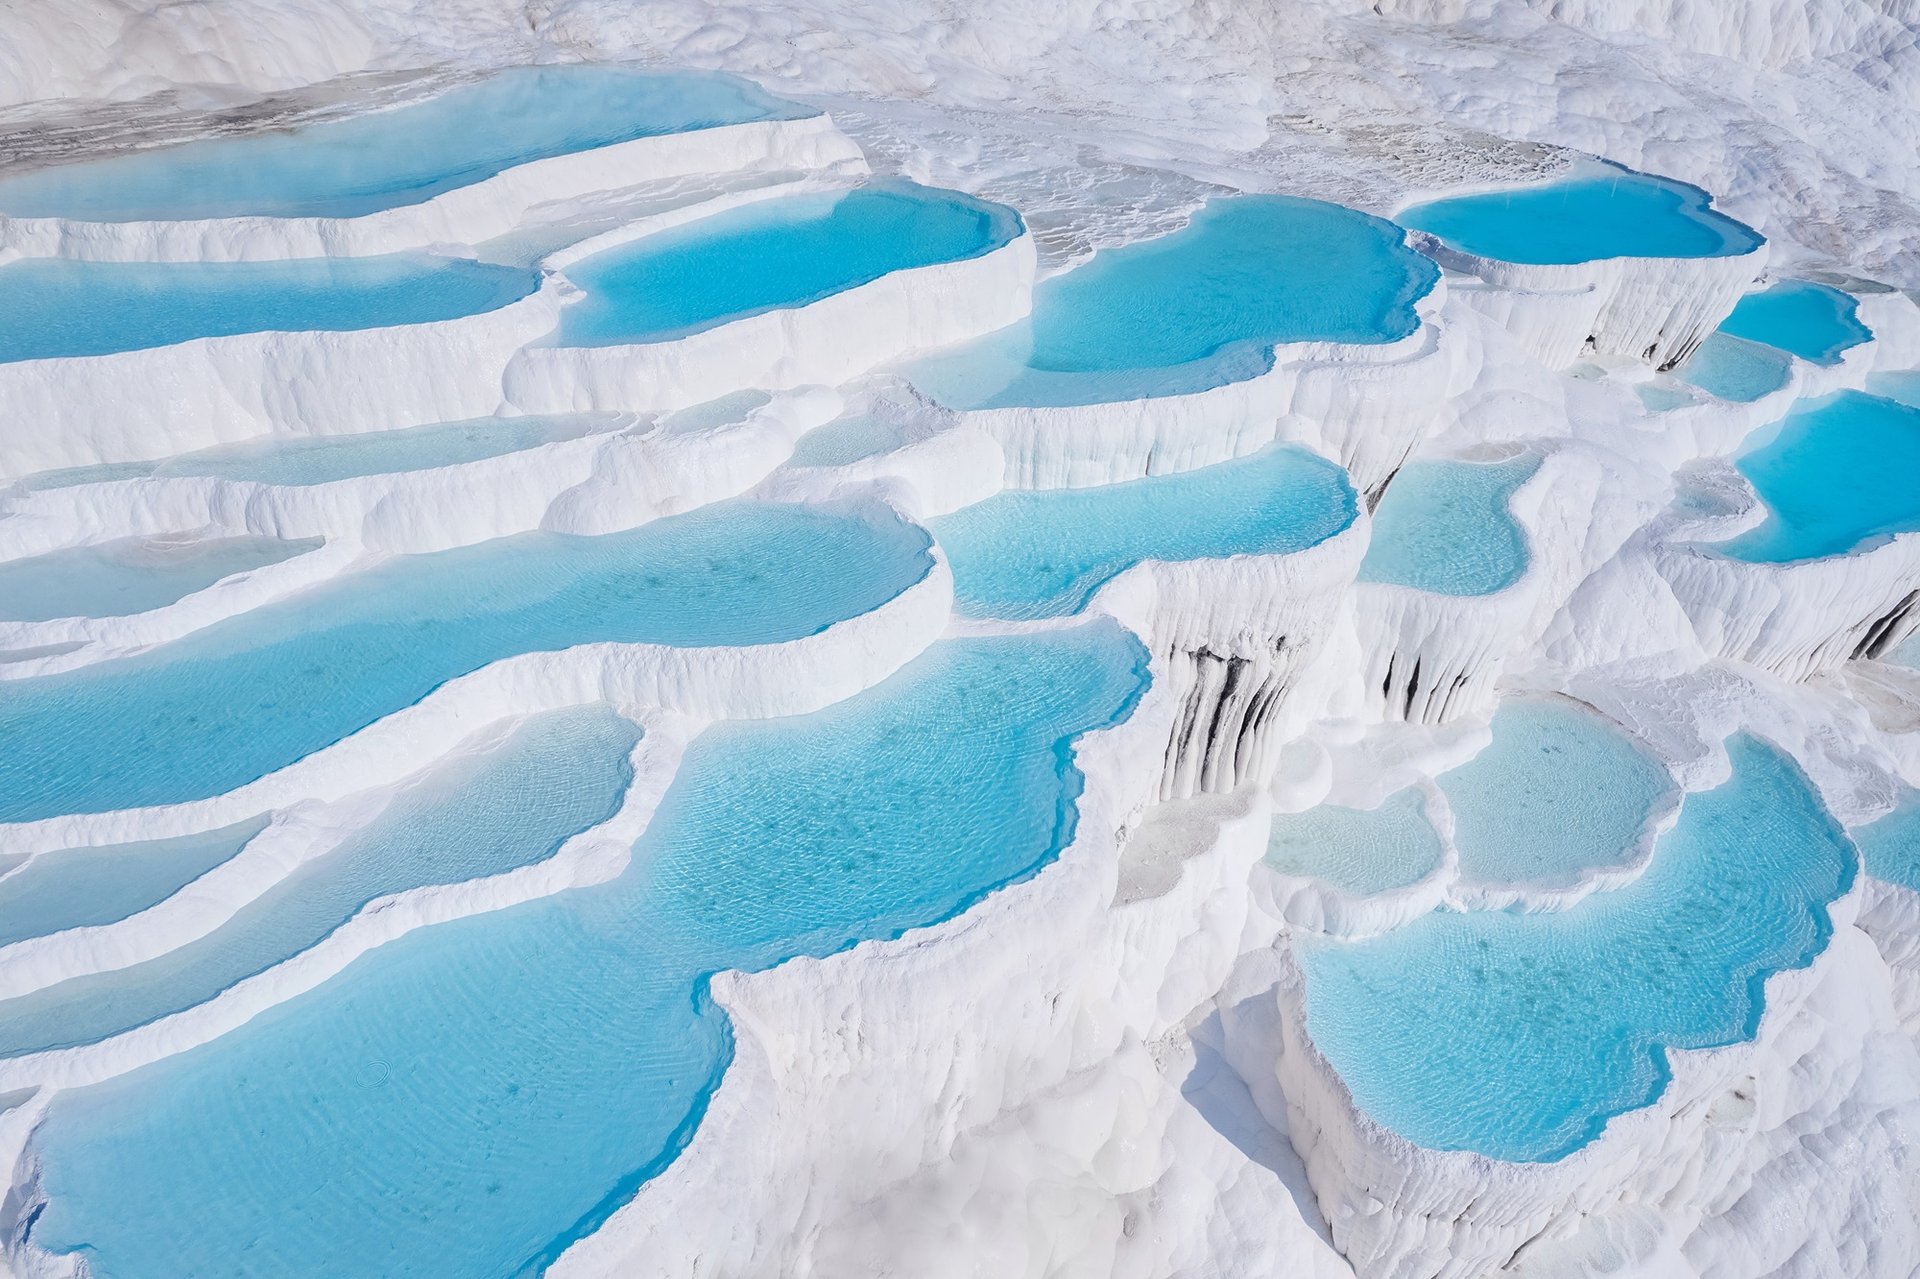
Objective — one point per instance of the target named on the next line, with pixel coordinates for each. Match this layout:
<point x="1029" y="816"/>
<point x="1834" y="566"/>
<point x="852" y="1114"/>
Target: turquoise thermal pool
<point x="1358" y="851"/>
<point x="1446" y="527"/>
<point x="1600" y="213"/>
<point x="1890" y="847"/>
<point x="239" y="699"/>
<point x="132" y="575"/>
<point x="1028" y="554"/>
<point x="772" y="255"/>
<point x="1736" y="369"/>
<point x="1836" y="476"/>
<point x="1558" y="791"/>
<point x="326" y="459"/>
<point x="1520" y="1035"/>
<point x="470" y="816"/>
<point x="400" y="156"/>
<point x="86" y="887"/>
<point x="1809" y="320"/>
<point x="1202" y="306"/>
<point x="516" y="1077"/>
<point x="59" y="308"/>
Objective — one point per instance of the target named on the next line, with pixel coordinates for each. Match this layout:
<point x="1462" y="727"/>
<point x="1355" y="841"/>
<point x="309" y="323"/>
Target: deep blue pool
<point x="1837" y="475"/>
<point x="1520" y="1035"/>
<point x="1611" y="213"/>
<point x="1197" y="308"/>
<point x="1809" y="320"/>
<point x="1028" y="554"/>
<point x="56" y="307"/>
<point x="774" y="254"/>
<point x="231" y="703"/>
<point x="1446" y="527"/>
<point x="513" y="1078"/>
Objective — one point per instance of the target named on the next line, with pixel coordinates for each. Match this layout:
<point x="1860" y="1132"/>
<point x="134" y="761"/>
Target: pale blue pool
<point x="1662" y="399"/>
<point x="326" y="459"/>
<point x="1557" y="791"/>
<point x="478" y="815"/>
<point x="233" y="702"/>
<point x="404" y="155"/>
<point x="1837" y="475"/>
<point x="1735" y="369"/>
<point x="131" y="575"/>
<point x="1520" y="1035"/>
<point x="83" y="887"/>
<point x="1597" y="214"/>
<point x="1906" y="652"/>
<point x="1890" y="847"/>
<point x="1362" y="851"/>
<point x="513" y="1079"/>
<point x="56" y="307"/>
<point x="1028" y="554"/>
<point x="1810" y="320"/>
<point x="1446" y="527"/>
<point x="772" y="255"/>
<point x="1197" y="308"/>
<point x="847" y="440"/>
<point x="1900" y="387"/>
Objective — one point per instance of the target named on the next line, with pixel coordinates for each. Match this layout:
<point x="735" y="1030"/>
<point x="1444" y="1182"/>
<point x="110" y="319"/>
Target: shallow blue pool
<point x="84" y="887"/>
<point x="1446" y="527"/>
<point x="1736" y="369"/>
<point x="1906" y="652"/>
<point x="1200" y="307"/>
<point x="1359" y="851"/>
<point x="1662" y="399"/>
<point x="771" y="255"/>
<point x="1890" y="847"/>
<point x="1519" y="1035"/>
<point x="846" y="440"/>
<point x="1809" y="320"/>
<point x="405" y="155"/>
<point x="476" y="815"/>
<point x="513" y="1079"/>
<point x="1027" y="554"/>
<point x="325" y="459"/>
<point x="132" y="575"/>
<point x="1901" y="387"/>
<point x="1837" y="475"/>
<point x="1557" y="791"/>
<point x="1612" y="213"/>
<point x="233" y="702"/>
<point x="56" y="307"/>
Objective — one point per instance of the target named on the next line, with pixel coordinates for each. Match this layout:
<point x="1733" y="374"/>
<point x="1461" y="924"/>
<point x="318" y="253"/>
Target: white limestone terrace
<point x="1435" y="648"/>
<point x="1134" y="1089"/>
<point x="1528" y="1213"/>
<point x="470" y="161"/>
<point x="165" y="392"/>
<point x="1600" y="259"/>
<point x="1851" y="595"/>
<point x="796" y="290"/>
<point x="1300" y="321"/>
<point x="631" y="470"/>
